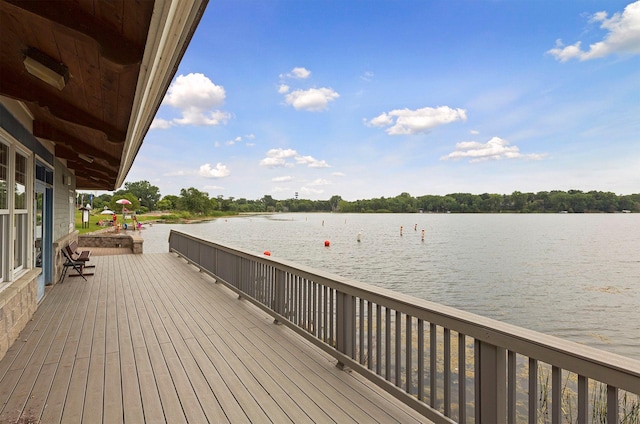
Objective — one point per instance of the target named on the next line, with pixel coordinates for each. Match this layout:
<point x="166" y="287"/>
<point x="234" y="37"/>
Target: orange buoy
<point x="267" y="253"/>
<point x="327" y="243"/>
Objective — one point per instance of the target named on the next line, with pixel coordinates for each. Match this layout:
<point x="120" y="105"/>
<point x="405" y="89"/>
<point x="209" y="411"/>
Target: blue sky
<point x="365" y="99"/>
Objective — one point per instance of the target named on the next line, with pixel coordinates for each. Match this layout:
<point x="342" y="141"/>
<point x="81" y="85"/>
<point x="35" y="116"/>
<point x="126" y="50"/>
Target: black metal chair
<point x="70" y="263"/>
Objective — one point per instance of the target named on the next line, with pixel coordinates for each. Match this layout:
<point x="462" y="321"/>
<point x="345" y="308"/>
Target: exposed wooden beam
<point x="25" y="89"/>
<point x="61" y="138"/>
<point x="88" y="169"/>
<point x="93" y="168"/>
<point x="68" y="17"/>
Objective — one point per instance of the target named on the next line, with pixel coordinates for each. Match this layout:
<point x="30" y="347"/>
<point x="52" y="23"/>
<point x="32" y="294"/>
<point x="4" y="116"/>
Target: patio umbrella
<point x="123" y="202"/>
<point x="107" y="212"/>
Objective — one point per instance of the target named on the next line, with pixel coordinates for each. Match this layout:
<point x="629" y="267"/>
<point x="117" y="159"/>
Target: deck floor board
<point x="148" y="338"/>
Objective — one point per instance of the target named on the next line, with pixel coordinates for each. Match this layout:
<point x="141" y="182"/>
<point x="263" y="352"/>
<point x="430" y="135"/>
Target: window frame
<point x="21" y="224"/>
<point x="15" y="224"/>
<point x="5" y="216"/>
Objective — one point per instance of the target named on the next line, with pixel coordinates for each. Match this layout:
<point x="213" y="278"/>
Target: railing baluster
<point x="511" y="386"/>
<point x="323" y="312"/>
<point x="447" y="372"/>
<point x="369" y="334"/>
<point x="361" y="330"/>
<point x="533" y="391"/>
<point x="314" y="310"/>
<point x="556" y="395"/>
<point x="612" y="404"/>
<point x="420" y="359"/>
<point x="433" y="368"/>
<point x="378" y="339"/>
<point x="299" y="284"/>
<point x="583" y="399"/>
<point x="308" y="299"/>
<point x="387" y="344"/>
<point x="398" y="349"/>
<point x="408" y="366"/>
<point x="331" y="316"/>
<point x="305" y="305"/>
<point x="462" y="379"/>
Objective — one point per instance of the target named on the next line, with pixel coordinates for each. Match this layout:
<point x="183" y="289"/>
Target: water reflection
<point x="573" y="276"/>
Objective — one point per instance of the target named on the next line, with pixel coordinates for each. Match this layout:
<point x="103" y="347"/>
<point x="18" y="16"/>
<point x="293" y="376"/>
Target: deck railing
<point x="450" y="365"/>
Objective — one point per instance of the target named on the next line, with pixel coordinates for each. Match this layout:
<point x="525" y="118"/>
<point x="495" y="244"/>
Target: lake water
<point x="575" y="276"/>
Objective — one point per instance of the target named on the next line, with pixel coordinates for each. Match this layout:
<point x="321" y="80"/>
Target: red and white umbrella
<point x="123" y="202"/>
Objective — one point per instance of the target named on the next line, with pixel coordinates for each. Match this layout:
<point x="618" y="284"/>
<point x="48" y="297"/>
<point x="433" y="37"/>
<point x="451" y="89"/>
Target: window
<point x="20" y="241"/>
<point x="4" y="208"/>
<point x="4" y="159"/>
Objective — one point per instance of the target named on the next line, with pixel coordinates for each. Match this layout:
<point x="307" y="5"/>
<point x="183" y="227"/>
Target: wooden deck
<point x="150" y="339"/>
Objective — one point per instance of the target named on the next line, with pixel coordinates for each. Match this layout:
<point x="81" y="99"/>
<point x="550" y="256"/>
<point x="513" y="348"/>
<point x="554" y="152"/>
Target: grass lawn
<point x="94" y="218"/>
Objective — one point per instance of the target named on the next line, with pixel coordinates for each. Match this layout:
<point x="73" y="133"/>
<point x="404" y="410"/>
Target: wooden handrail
<point x="410" y="340"/>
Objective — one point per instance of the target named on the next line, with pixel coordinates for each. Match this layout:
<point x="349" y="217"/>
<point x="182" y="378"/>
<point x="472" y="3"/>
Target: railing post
<point x="279" y="294"/>
<point x="491" y="383"/>
<point x="345" y="325"/>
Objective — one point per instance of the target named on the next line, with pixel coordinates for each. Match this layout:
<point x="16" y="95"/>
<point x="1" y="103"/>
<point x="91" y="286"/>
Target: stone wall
<point x="110" y="239"/>
<point x="18" y="302"/>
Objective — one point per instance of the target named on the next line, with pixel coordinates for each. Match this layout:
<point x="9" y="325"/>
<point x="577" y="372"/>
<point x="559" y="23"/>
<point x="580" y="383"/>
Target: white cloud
<point x="234" y="141"/>
<point x="308" y="190"/>
<point x="313" y="99"/>
<point x="367" y="76"/>
<point x="284" y="88"/>
<point x="277" y="158"/>
<point x="406" y="121"/>
<point x="194" y="116"/>
<point x="220" y="171"/>
<point x="213" y="187"/>
<point x="338" y="174"/>
<point x="474" y="132"/>
<point x="312" y="162"/>
<point x="298" y="73"/>
<point x="238" y="139"/>
<point x="623" y="36"/>
<point x="273" y="162"/>
<point x="160" y="124"/>
<point x="282" y="179"/>
<point x="194" y="90"/>
<point x="494" y="149"/>
<point x="319" y="182"/>
<point x="196" y="96"/>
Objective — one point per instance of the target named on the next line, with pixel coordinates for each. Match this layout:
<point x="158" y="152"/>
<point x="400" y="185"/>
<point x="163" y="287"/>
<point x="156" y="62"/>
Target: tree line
<point x="145" y="197"/>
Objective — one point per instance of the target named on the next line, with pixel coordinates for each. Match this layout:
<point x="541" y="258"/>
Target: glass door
<point x="43" y="248"/>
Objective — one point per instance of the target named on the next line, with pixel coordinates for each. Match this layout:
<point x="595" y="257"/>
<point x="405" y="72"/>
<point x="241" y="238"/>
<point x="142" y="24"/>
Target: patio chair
<point x="78" y="266"/>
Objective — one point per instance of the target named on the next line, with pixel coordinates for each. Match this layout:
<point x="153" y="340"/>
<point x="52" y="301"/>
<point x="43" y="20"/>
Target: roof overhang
<point x="93" y="75"/>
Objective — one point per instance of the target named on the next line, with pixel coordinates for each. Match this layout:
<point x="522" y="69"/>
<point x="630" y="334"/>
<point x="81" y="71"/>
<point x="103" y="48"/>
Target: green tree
<point x="335" y="203"/>
<point x="269" y="203"/>
<point x="170" y="202"/>
<point x="148" y="194"/>
<point x="194" y="201"/>
<point x="99" y="202"/>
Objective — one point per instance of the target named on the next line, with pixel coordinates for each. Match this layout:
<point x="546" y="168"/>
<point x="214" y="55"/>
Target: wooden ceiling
<point x="102" y="45"/>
